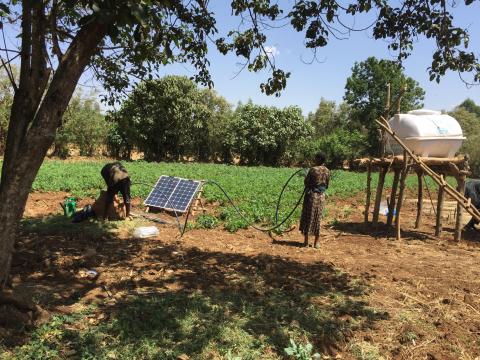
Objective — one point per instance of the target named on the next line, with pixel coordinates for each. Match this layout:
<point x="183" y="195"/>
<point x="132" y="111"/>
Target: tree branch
<point x="21" y="112"/>
<point x="8" y="70"/>
<point x="26" y="44"/>
<point x="39" y="72"/>
<point x="53" y="24"/>
<point x="64" y="81"/>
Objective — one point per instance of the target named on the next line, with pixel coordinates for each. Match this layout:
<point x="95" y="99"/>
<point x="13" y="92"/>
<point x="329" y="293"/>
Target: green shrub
<point x="6" y="99"/>
<point x="467" y="114"/>
<point x="300" y="351"/>
<point x="118" y="143"/>
<point x="172" y="119"/>
<point x="83" y="126"/>
<point x="267" y="135"/>
<point x="206" y="222"/>
<point x="338" y="146"/>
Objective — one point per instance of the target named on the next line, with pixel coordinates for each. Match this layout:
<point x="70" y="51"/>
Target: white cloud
<point x="272" y="51"/>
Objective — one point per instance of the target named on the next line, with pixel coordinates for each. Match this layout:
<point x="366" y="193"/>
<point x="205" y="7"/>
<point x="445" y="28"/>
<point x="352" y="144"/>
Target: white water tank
<point x="427" y="133"/>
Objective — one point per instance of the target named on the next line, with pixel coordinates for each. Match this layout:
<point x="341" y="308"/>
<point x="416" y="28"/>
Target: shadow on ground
<point x="161" y="300"/>
<point x="384" y="231"/>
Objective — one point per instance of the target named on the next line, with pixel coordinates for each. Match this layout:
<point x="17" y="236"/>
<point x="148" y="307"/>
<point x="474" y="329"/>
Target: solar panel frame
<point x="182" y="194"/>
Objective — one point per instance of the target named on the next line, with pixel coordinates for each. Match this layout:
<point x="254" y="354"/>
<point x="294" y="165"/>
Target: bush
<point x="170" y="119"/>
<point x="206" y="221"/>
<point x="469" y="119"/>
<point x="267" y="135"/>
<point x="118" y="142"/>
<point x="6" y="99"/>
<point x="83" y="126"/>
<point x="338" y="146"/>
<point x="472" y="148"/>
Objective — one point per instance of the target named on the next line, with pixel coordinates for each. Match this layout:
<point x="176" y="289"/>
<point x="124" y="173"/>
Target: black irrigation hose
<point x="277" y="209"/>
<point x="239" y="212"/>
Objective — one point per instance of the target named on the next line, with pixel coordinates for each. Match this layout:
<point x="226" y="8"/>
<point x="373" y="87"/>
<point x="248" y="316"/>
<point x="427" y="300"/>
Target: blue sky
<point x="308" y="83"/>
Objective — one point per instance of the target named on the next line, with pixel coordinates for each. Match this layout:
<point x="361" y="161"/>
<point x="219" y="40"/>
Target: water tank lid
<point x="424" y="112"/>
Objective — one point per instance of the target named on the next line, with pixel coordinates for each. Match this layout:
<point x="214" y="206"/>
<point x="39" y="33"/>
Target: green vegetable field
<point x="255" y="189"/>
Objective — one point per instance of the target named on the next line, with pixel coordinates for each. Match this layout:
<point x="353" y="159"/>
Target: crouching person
<point x="117" y="179"/>
<point x="108" y="206"/>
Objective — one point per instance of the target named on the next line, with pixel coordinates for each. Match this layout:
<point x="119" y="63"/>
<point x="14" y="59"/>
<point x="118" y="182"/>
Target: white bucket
<point x="145" y="232"/>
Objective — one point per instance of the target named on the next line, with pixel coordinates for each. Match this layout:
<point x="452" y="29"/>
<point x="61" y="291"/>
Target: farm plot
<point x="215" y="294"/>
<point x="255" y="189"/>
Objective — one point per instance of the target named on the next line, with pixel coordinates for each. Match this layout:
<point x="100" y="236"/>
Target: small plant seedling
<point x="300" y="351"/>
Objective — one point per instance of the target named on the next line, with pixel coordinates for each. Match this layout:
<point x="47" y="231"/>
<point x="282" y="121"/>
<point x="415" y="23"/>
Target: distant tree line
<point x="468" y="115"/>
<point x="172" y="119"/>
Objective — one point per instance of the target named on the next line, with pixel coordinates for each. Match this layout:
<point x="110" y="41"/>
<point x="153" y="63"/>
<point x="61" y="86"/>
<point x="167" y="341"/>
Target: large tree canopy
<point x="137" y="37"/>
<point x="366" y="93"/>
<point x="171" y="118"/>
<point x="124" y="40"/>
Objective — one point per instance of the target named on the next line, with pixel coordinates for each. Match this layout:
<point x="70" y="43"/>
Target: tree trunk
<point x="32" y="129"/>
<point x="13" y="199"/>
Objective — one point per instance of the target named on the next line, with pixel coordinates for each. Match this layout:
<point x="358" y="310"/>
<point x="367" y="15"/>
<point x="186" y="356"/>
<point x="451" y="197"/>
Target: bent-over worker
<point x="117" y="179"/>
<point x="316" y="183"/>
<point x="472" y="191"/>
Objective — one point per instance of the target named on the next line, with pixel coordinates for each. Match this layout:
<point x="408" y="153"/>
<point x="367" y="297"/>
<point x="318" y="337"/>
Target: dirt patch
<point x="46" y="204"/>
<point x="429" y="288"/>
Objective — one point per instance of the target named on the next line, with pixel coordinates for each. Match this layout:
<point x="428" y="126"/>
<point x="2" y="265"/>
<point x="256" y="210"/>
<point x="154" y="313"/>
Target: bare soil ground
<point x="426" y="291"/>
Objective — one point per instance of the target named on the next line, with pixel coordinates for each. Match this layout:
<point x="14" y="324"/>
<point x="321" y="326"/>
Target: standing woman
<point x="316" y="183"/>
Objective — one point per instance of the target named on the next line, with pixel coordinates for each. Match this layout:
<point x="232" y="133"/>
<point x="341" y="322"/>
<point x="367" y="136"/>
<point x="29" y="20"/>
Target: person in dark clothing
<point x="117" y="179"/>
<point x="316" y="183"/>
<point x="472" y="192"/>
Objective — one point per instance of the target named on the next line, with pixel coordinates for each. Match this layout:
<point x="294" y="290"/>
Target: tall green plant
<point x="83" y="126"/>
<point x="468" y="115"/>
<point x="338" y="146"/>
<point x="267" y="135"/>
<point x="366" y="93"/>
<point x="6" y="99"/>
<point x="171" y="119"/>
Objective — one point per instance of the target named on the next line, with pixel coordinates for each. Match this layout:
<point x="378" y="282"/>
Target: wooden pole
<point x="387" y="103"/>
<point x="383" y="136"/>
<point x="418" y="222"/>
<point x="441" y="198"/>
<point x="369" y="191"/>
<point x="393" y="196"/>
<point x="401" y="196"/>
<point x="378" y="196"/>
<point x="461" y="180"/>
<point x="399" y="99"/>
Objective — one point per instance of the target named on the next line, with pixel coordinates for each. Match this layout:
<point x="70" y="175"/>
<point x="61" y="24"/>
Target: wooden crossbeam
<point x="456" y="195"/>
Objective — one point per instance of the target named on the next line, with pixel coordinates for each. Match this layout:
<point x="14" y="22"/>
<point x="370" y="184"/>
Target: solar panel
<point x="173" y="193"/>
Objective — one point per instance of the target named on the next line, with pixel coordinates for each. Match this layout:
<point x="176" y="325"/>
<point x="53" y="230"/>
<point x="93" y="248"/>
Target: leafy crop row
<point x="254" y="189"/>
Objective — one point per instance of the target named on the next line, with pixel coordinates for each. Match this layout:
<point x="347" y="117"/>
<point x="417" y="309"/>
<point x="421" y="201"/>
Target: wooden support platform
<point x="436" y="168"/>
<point x="446" y="166"/>
<point x="418" y="221"/>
